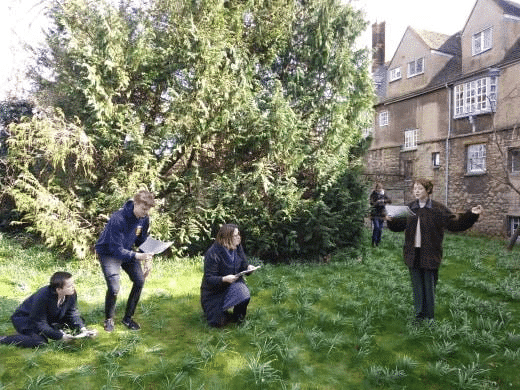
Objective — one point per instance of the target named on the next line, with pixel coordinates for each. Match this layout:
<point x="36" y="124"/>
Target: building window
<point x="512" y="225"/>
<point x="514" y="160"/>
<point x="395" y="74"/>
<point x="367" y="132"/>
<point x="410" y="139"/>
<point x="482" y="41"/>
<point x="475" y="97"/>
<point x="416" y="67"/>
<point x="476" y="159"/>
<point x="383" y="118"/>
<point x="436" y="159"/>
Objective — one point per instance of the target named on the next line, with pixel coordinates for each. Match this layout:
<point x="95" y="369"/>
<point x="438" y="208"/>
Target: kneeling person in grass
<point x="46" y="313"/>
<point x="221" y="287"/>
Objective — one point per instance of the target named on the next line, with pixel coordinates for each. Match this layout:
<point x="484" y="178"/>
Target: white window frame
<point x="436" y="159"/>
<point x="476" y="159"/>
<point x="383" y="118"/>
<point x="416" y="67"/>
<point x="410" y="139"/>
<point x="395" y="74"/>
<point x="514" y="160"/>
<point x="367" y="132"/>
<point x="475" y="97"/>
<point x="513" y="222"/>
<point x="482" y="41"/>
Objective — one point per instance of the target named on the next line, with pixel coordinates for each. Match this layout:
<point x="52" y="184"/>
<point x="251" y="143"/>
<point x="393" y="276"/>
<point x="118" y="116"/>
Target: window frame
<point x="473" y="166"/>
<point x="394" y="74"/>
<point x="411" y="137"/>
<point x="484" y="40"/>
<point x="436" y="159"/>
<point x="412" y="72"/>
<point x="513" y="166"/>
<point x="475" y="97"/>
<point x="512" y="223"/>
<point x="383" y="118"/>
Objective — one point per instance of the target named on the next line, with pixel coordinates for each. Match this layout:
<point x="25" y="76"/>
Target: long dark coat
<point x="38" y="313"/>
<point x="217" y="263"/>
<point x="435" y="218"/>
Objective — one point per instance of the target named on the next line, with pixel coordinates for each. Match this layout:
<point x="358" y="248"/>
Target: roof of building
<point x="436" y="41"/>
<point x="509" y="7"/>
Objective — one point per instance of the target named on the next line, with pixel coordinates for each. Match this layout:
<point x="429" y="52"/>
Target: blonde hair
<point x="145" y="197"/>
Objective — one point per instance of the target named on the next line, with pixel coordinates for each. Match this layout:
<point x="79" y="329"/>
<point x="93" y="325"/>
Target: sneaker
<point x="130" y="324"/>
<point x="109" y="324"/>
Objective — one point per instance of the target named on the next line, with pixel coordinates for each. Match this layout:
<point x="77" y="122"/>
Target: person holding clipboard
<point x="223" y="286"/>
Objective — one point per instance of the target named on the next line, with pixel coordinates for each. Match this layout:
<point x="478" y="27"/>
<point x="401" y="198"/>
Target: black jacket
<point x="434" y="219"/>
<point x="218" y="263"/>
<point x="378" y="202"/>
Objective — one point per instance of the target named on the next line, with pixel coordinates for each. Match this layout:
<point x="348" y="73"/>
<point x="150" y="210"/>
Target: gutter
<point x="446" y="180"/>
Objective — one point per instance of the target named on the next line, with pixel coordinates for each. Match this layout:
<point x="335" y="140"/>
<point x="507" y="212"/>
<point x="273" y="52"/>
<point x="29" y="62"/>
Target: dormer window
<point x="416" y="67"/>
<point x="482" y="41"/>
<point x="395" y="74"/>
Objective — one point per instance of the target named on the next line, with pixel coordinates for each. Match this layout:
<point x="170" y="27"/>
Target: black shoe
<point x="108" y="325"/>
<point x="130" y="324"/>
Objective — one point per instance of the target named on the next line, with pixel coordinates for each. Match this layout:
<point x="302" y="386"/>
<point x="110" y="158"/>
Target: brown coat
<point x="434" y="219"/>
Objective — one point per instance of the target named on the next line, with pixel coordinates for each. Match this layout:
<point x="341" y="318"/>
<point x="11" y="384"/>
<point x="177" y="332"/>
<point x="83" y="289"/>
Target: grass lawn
<point x="342" y="325"/>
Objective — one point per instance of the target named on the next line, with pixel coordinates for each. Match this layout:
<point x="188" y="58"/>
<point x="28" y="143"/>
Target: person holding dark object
<point x="126" y="228"/>
<point x="424" y="232"/>
<point x="46" y="313"/>
<point x="222" y="287"/>
<point x="378" y="200"/>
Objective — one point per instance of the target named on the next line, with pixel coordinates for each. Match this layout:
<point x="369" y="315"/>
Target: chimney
<point x="378" y="45"/>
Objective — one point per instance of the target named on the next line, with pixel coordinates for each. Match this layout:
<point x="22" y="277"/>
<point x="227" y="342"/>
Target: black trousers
<point x="424" y="282"/>
<point x="111" y="270"/>
<point x="24" y="338"/>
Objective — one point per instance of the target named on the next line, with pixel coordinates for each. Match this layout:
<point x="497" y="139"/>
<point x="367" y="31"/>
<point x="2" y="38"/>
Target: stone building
<point x="449" y="109"/>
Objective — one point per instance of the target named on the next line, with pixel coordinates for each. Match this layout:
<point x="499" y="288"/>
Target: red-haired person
<point x="424" y="233"/>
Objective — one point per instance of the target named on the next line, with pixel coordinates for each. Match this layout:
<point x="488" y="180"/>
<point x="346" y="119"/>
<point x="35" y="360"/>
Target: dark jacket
<point x="39" y="312"/>
<point x="378" y="202"/>
<point x="218" y="263"/>
<point x="434" y="219"/>
<point x="122" y="231"/>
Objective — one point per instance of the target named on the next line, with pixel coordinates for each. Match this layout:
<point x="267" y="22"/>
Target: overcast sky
<point x="22" y="20"/>
<point x="442" y="16"/>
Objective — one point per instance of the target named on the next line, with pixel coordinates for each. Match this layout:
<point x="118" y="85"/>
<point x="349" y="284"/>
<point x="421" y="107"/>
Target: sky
<point x="21" y="21"/>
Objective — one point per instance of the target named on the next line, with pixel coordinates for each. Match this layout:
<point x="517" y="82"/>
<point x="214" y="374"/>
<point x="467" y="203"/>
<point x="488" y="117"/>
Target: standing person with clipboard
<point x="127" y="228"/>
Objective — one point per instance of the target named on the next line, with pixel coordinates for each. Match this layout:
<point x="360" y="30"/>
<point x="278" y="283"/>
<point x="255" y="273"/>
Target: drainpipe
<point x="446" y="180"/>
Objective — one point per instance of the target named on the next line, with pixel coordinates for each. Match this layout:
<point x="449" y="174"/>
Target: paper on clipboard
<point x="398" y="211"/>
<point x="247" y="271"/>
<point x="154" y="246"/>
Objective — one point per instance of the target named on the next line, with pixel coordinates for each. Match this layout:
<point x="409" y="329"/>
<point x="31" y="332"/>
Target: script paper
<point x="247" y="271"/>
<point x="398" y="211"/>
<point x="154" y="246"/>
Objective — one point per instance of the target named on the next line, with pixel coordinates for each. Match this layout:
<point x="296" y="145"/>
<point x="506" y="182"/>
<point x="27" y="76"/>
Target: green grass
<point x="341" y="325"/>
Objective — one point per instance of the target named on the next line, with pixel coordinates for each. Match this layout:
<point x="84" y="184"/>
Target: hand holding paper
<point x="248" y="271"/>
